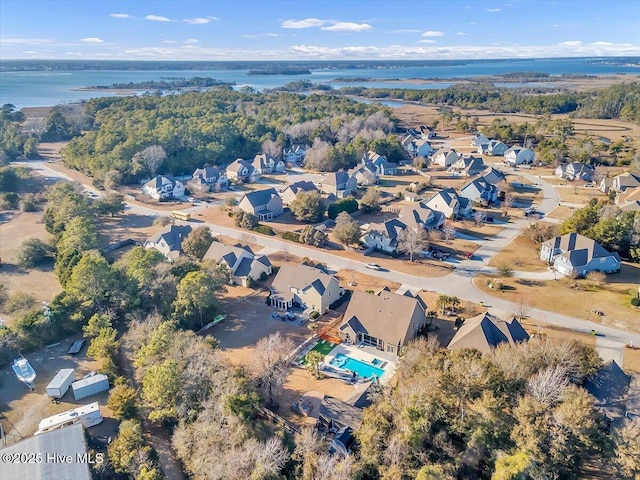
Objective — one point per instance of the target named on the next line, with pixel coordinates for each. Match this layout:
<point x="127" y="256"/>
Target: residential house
<point x="290" y="193"/>
<point x="576" y="254"/>
<point x="265" y="163"/>
<point x="304" y="286"/>
<point x="493" y="176"/>
<point x="449" y="203"/>
<point x="575" y="171"/>
<point x="208" y="179"/>
<point x="384" y="236"/>
<point x="264" y="204"/>
<point x="479" y="190"/>
<point x="387" y="321"/>
<point x="337" y="421"/>
<point x="629" y="200"/>
<point x="416" y="146"/>
<point x="624" y="181"/>
<point x="610" y="388"/>
<point x="517" y="155"/>
<point x="168" y="241"/>
<point x="163" y="188"/>
<point x="295" y="154"/>
<point x="339" y="184"/>
<point x="445" y="158"/>
<point x="427" y="132"/>
<point x="485" y="332"/>
<point x="421" y="216"/>
<point x="242" y="171"/>
<point x="380" y="163"/>
<point x="479" y="139"/>
<point x="467" y="166"/>
<point x="494" y="148"/>
<point x="244" y="265"/>
<point x="605" y="185"/>
<point x="365" y="175"/>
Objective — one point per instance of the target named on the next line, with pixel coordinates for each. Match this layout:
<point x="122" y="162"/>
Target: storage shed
<point x="90" y="386"/>
<point x="61" y="383"/>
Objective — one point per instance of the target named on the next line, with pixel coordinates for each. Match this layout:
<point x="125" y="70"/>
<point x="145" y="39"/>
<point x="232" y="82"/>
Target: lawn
<point x="520" y="254"/>
<point x="323" y="347"/>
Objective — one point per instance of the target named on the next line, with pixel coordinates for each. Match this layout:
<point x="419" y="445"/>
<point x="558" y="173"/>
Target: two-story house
<point x="304" y="286"/>
<point x="208" y="179"/>
<point x="168" y="241"/>
<point x="384" y="236"/>
<point x="295" y="154"/>
<point x="575" y="171"/>
<point x="467" y="166"/>
<point x="290" y="193"/>
<point x="517" y="155"/>
<point x="420" y="216"/>
<point x="450" y="204"/>
<point x="380" y="163"/>
<point x="242" y="171"/>
<point x="445" y="158"/>
<point x="163" y="188"/>
<point x="265" y="164"/>
<point x="479" y="190"/>
<point x="365" y="174"/>
<point x="264" y="204"/>
<point x="479" y="139"/>
<point x="340" y="184"/>
<point x="244" y="265"/>
<point x="575" y="254"/>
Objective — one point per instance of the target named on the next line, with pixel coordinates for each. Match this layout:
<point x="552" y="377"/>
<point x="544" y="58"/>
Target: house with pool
<point x="387" y="321"/>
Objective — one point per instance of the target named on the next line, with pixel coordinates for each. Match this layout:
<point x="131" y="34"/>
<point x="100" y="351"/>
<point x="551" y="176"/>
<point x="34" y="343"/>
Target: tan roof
<point x="386" y="315"/>
<point x="300" y="277"/>
<point x="486" y="331"/>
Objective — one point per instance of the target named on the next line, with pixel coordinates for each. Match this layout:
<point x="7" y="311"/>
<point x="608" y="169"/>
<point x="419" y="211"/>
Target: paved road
<point x="458" y="283"/>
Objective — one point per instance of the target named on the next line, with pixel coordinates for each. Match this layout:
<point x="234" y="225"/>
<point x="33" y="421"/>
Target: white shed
<point x="90" y="386"/>
<point x="59" y="385"/>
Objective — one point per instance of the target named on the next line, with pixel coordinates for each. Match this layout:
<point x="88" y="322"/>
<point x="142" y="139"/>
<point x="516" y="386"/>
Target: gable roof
<point x="172" y="235"/>
<point x="373" y="157"/>
<point x="260" y="197"/>
<point x="609" y="386"/>
<point x="302" y="186"/>
<point x="336" y="178"/>
<point x="207" y="172"/>
<point x="158" y="181"/>
<point x="343" y="413"/>
<point x="386" y="315"/>
<point x="487" y="331"/>
<point x="628" y="179"/>
<point x="578" y="249"/>
<point x="262" y="160"/>
<point x="391" y="229"/>
<point x="238" y="163"/>
<point x="300" y="277"/>
<point x="468" y="164"/>
<point x="492" y="175"/>
<point x="419" y="216"/>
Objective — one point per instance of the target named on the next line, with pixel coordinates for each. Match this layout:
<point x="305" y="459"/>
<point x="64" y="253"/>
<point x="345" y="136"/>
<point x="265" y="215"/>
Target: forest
<point x="165" y="83"/>
<point x="220" y="125"/>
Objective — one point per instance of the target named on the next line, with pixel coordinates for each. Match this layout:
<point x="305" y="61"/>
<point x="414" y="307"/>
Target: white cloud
<point x="169" y="41"/>
<point x="426" y="41"/>
<point x="29" y="52"/>
<point x="304" y="23"/>
<point x="190" y="46"/>
<point x="261" y="35"/>
<point x="347" y="27"/>
<point x="493" y="10"/>
<point x="191" y="41"/>
<point x="158" y="18"/>
<point x="120" y="15"/>
<point x="200" y="20"/>
<point x="406" y="30"/>
<point x="570" y="43"/>
<point x="462" y="34"/>
<point x="92" y="40"/>
<point x="601" y="44"/>
<point x="25" y="41"/>
<point x="433" y="33"/>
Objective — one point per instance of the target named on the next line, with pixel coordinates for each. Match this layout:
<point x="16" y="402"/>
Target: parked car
<point x="373" y="266"/>
<point x="529" y="211"/>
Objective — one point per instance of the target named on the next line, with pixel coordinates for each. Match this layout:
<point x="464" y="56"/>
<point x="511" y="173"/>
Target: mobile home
<point x="61" y="383"/>
<point x="90" y="386"/>
<point x="88" y="415"/>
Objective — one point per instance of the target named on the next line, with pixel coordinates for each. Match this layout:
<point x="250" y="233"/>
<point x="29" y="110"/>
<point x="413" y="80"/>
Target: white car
<point x="373" y="266"/>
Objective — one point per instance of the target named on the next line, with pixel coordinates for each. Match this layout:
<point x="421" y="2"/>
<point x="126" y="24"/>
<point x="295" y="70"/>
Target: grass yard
<point x="612" y="298"/>
<point x="632" y="360"/>
<point x="561" y="212"/>
<point x="520" y="254"/>
<point x="323" y="347"/>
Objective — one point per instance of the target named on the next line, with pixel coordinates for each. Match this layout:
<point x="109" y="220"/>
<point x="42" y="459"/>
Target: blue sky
<point x="314" y="29"/>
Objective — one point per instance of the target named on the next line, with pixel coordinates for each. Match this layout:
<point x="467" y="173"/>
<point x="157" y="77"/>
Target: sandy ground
<point x="23" y="409"/>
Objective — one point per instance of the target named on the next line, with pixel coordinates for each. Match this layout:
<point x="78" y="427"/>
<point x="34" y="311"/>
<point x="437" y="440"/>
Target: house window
<point x="391" y="349"/>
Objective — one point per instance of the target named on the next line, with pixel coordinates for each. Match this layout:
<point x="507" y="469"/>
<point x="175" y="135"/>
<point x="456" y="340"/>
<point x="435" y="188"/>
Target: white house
<point x="494" y="148"/>
<point x="295" y="154"/>
<point x="467" y="166"/>
<point x="307" y="287"/>
<point x="168" y="241"/>
<point x="208" y="179"/>
<point x="479" y="190"/>
<point x="479" y="139"/>
<point x="420" y="215"/>
<point x="449" y="203"/>
<point x="445" y="158"/>
<point x="575" y="171"/>
<point x="576" y="254"/>
<point x="241" y="170"/>
<point x="624" y="181"/>
<point x="163" y="188"/>
<point x="384" y="236"/>
<point x="265" y="163"/>
<point x="519" y="155"/>
<point x="243" y="264"/>
<point x="264" y="204"/>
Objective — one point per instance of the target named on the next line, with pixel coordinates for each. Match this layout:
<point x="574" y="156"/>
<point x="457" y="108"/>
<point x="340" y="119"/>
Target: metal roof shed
<point x="90" y="386"/>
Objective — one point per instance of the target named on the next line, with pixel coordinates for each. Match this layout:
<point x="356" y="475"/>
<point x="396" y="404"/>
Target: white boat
<point x="25" y="372"/>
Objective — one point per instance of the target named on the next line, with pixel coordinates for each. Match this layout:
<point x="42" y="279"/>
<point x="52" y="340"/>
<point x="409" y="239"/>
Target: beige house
<point x="304" y="286"/>
<point x="339" y="184"/>
<point x="168" y="241"/>
<point x="264" y="204"/>
<point x="241" y="261"/>
<point x="290" y="193"/>
<point x="387" y="321"/>
<point x="485" y="332"/>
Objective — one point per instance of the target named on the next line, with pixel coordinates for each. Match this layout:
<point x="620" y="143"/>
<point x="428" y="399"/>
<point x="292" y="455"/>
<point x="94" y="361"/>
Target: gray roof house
<point x="467" y="166"/>
<point x="265" y="163"/>
<point x="208" y="179"/>
<point x="576" y="254"/>
<point x="416" y="146"/>
<point x="449" y="203"/>
<point x="163" y="188"/>
<point x="387" y="321"/>
<point x="421" y="216"/>
<point x="479" y="139"/>
<point x="492" y="175"/>
<point x="308" y="287"/>
<point x="384" y="236"/>
<point x="575" y="171"/>
<point x="240" y="260"/>
<point x="241" y="170"/>
<point x="380" y="163"/>
<point x="518" y="155"/>
<point x="66" y="442"/>
<point x="624" y="181"/>
<point x="485" y="332"/>
<point x="365" y="174"/>
<point x="610" y="386"/>
<point x="479" y="190"/>
<point x="494" y="148"/>
<point x="168" y="241"/>
<point x="264" y="204"/>
<point x="295" y="154"/>
<point x="341" y="419"/>
<point x="339" y="184"/>
<point x="445" y="158"/>
<point x="290" y="193"/>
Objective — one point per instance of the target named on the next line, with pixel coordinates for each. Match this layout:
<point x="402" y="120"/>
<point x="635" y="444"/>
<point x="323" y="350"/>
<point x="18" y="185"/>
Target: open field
<point x="613" y="298"/>
<point x="561" y="212"/>
<point x="520" y="254"/>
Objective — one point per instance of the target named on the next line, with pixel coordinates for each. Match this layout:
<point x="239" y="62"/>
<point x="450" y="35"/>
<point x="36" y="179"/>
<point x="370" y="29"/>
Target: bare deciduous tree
<point x="479" y="217"/>
<point x="270" y="363"/>
<point x="627" y="441"/>
<point x="412" y="241"/>
<point x="272" y="148"/>
<point x="548" y="385"/>
<point x="449" y="232"/>
<point x="152" y="157"/>
<point x="596" y="279"/>
<point x="522" y="307"/>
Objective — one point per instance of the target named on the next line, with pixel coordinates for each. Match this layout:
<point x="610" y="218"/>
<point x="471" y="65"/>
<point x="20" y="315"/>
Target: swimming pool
<point x="360" y="368"/>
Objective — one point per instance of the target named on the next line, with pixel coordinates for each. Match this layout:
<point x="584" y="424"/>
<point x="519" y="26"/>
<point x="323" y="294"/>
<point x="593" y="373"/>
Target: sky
<point x="317" y="29"/>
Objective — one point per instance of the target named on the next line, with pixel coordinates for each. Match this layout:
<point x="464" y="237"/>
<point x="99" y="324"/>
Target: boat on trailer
<point x="24" y="372"/>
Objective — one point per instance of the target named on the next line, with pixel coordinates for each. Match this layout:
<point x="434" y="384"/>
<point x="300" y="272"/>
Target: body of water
<point x="45" y="88"/>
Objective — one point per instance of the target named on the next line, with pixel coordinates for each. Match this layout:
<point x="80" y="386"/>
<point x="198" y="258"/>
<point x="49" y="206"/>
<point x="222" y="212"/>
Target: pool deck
<point x="367" y="354"/>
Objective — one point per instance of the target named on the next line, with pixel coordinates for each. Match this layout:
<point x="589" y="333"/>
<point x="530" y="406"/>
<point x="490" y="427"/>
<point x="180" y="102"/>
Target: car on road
<point x="373" y="266"/>
<point x="529" y="211"/>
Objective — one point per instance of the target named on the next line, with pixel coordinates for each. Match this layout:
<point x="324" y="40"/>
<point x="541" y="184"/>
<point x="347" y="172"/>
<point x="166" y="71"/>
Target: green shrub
<point x="348" y="205"/>
<point x="635" y="301"/>
<point x="293" y="236"/>
<point x="264" y="229"/>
